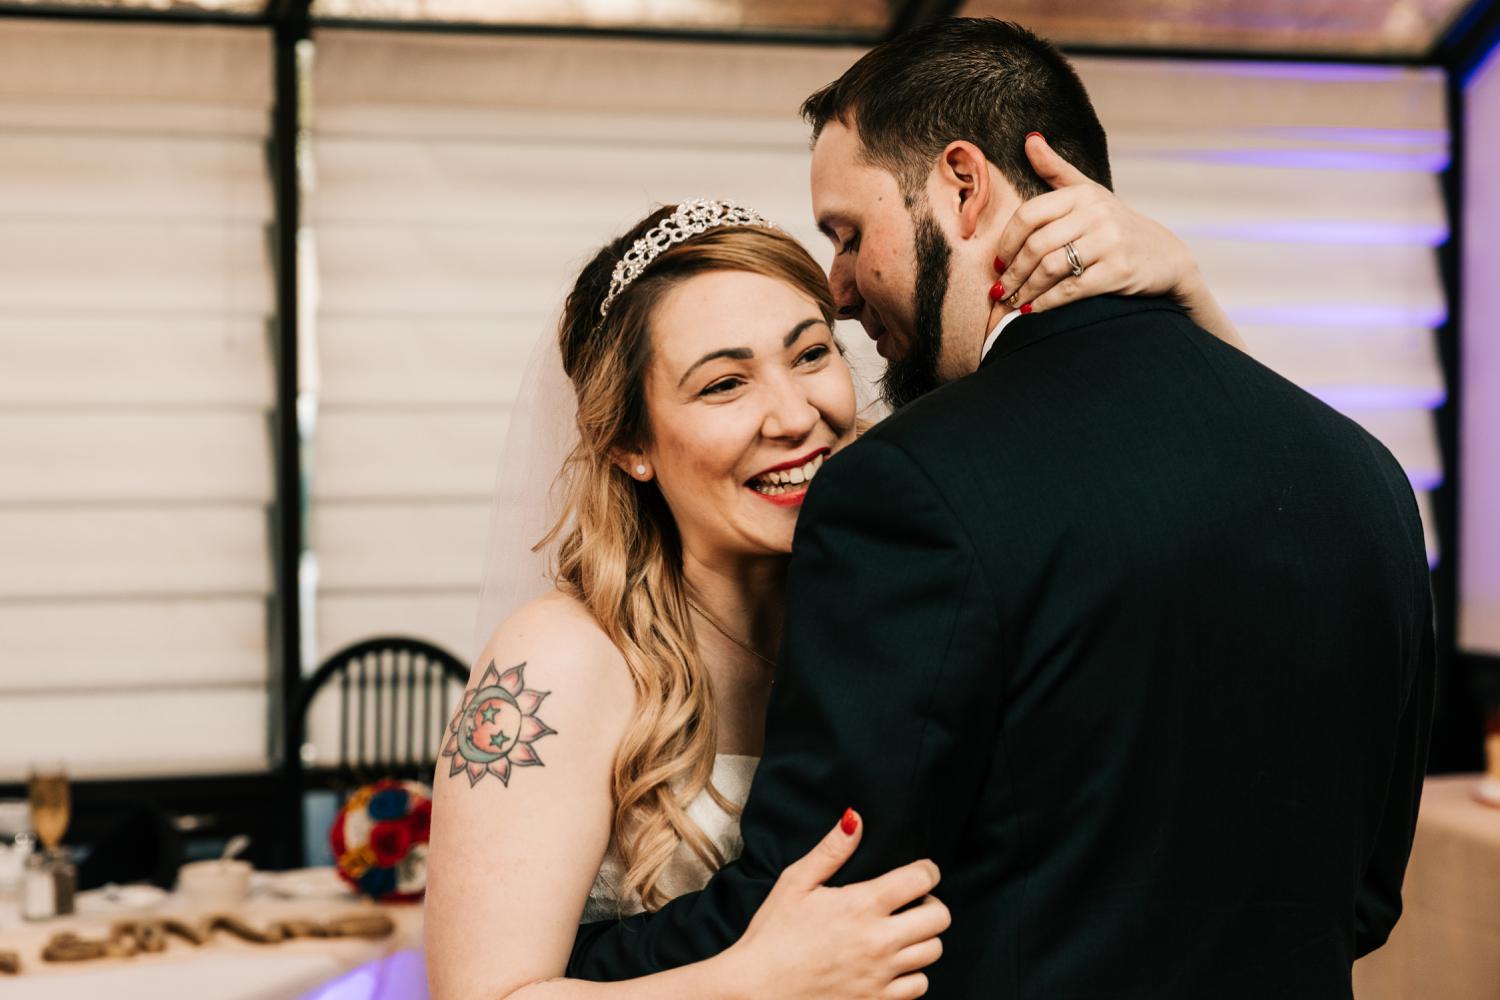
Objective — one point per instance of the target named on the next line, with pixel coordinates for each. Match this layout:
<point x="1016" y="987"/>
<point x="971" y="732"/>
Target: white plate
<point x="305" y="883"/>
<point x="119" y="898"/>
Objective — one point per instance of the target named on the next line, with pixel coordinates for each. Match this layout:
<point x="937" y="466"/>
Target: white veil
<point x="527" y="498"/>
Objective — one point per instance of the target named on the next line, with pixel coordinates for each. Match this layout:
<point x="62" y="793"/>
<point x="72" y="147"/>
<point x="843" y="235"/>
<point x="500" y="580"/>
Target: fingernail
<point x="997" y="292"/>
<point x="1026" y="309"/>
<point x="999" y="266"/>
<point x="1037" y="134"/>
<point x="848" y="823"/>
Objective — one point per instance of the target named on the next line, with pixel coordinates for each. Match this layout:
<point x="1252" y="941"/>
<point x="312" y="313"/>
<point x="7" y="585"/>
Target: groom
<point x="1128" y="634"/>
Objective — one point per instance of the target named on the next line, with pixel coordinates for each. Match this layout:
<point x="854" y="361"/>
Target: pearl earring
<point x="640" y="470"/>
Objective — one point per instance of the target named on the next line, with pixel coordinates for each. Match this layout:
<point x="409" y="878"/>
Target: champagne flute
<point x="47" y="789"/>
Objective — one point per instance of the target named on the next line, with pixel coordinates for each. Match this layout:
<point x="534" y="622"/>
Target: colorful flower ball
<point x="379" y="839"/>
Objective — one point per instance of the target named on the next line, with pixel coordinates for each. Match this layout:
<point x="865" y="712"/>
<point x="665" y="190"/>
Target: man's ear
<point x="634" y="464"/>
<point x="963" y="176"/>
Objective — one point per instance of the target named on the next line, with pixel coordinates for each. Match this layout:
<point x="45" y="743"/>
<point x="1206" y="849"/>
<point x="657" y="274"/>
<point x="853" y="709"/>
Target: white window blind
<point x="1479" y="502"/>
<point x="456" y="198"/>
<point x="135" y="393"/>
<point x="1311" y="197"/>
<point x="463" y="180"/>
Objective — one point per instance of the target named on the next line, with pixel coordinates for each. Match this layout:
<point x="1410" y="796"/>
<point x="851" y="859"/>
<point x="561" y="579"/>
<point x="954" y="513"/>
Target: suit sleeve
<point x="1378" y="904"/>
<point x="887" y="685"/>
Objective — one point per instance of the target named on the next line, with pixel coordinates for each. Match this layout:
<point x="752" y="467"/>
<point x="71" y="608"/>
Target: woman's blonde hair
<point x="617" y="545"/>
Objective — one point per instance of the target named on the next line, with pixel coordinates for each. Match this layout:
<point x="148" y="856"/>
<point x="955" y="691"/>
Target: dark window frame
<point x="250" y="798"/>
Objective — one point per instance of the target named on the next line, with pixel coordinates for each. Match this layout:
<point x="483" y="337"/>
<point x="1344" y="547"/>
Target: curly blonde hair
<point x="617" y="546"/>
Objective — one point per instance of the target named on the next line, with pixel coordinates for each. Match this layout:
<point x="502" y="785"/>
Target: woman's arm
<point x="522" y="802"/>
<point x="1123" y="252"/>
<point x="808" y="941"/>
<point x="709" y="980"/>
<point x="522" y="810"/>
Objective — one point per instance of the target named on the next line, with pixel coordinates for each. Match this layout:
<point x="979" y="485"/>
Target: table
<point x="1446" y="945"/>
<point x="226" y="968"/>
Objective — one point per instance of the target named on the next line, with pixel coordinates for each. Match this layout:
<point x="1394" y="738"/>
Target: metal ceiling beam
<point x="291" y="13"/>
<point x="908" y="14"/>
<point x="1473" y="36"/>
<point x="175" y="15"/>
<point x="289" y="20"/>
<point x="753" y="36"/>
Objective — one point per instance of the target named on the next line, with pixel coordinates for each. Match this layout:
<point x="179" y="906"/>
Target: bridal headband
<point x="690" y="219"/>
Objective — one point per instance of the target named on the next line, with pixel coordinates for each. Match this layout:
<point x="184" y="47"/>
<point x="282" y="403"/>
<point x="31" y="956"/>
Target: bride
<point x="710" y="389"/>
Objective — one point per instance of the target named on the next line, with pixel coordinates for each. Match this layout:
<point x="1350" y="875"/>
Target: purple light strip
<point x="1322" y="159"/>
<point x="1340" y="314"/>
<point x="1374" y="397"/>
<point x="398" y="976"/>
<point x="1312" y="71"/>
<point x="1367" y="136"/>
<point x="1369" y="233"/>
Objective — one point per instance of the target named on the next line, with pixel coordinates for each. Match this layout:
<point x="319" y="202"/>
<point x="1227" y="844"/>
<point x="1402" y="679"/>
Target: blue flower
<point x="378" y="882"/>
<point x="391" y="803"/>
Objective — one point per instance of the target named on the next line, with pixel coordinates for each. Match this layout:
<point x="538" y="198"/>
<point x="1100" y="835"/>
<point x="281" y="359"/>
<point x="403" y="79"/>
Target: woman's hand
<point x="1121" y="251"/>
<point x="812" y="941"/>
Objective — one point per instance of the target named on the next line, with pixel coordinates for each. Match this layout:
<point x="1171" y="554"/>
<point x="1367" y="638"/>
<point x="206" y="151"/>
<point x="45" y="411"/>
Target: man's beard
<point x="916" y="374"/>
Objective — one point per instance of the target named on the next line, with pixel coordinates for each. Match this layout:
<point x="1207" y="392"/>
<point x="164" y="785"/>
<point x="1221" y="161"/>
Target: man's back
<point x="1215" y="667"/>
<point x="1128" y="634"/>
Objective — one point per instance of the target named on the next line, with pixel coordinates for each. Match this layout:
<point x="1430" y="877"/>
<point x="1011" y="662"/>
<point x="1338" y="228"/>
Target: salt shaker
<point x="48" y="885"/>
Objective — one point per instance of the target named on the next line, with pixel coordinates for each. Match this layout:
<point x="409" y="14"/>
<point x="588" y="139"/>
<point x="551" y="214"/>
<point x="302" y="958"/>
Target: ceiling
<point x="1398" y="29"/>
<point x="1343" y="27"/>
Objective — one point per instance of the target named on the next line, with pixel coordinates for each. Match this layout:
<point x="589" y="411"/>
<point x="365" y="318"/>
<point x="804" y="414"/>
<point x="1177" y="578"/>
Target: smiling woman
<point x="714" y="369"/>
<point x="710" y="391"/>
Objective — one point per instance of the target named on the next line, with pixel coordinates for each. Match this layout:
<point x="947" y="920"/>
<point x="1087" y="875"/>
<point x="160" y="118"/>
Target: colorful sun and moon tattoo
<point x="495" y="727"/>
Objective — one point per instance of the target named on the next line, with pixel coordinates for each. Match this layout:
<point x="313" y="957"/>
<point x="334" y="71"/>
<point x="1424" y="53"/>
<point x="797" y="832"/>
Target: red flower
<point x="390" y="840"/>
<point x="419" y="821"/>
<point x="336" y="836"/>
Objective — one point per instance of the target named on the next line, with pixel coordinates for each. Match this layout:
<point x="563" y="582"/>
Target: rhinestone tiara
<point x="691" y="218"/>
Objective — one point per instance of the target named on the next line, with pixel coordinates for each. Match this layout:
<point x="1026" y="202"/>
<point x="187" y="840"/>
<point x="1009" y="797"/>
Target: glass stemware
<point x="47" y="789"/>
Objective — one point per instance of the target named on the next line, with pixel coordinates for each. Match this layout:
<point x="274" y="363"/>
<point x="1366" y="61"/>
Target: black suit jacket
<point x="1134" y="639"/>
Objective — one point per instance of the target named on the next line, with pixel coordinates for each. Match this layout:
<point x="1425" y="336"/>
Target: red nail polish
<point x="997" y="292"/>
<point x="999" y="266"/>
<point x="848" y="823"/>
<point x="1037" y="134"/>
<point x="1026" y="309"/>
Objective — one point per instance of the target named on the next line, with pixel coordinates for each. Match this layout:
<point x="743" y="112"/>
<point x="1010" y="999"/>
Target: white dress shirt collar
<point x="989" y="341"/>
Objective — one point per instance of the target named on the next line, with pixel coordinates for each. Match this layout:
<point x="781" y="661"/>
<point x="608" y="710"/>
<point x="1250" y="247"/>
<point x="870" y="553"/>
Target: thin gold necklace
<point x="726" y="634"/>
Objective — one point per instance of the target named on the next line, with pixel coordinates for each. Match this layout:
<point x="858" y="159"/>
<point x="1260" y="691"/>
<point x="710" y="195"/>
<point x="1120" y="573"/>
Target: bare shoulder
<point x="555" y="620"/>
<point x="553" y="648"/>
<point x="559" y="629"/>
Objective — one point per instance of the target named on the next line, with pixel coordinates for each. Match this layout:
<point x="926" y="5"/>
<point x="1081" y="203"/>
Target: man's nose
<point x="846" y="297"/>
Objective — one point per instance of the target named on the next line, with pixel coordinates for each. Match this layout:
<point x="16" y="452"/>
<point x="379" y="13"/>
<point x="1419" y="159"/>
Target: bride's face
<point x="746" y="395"/>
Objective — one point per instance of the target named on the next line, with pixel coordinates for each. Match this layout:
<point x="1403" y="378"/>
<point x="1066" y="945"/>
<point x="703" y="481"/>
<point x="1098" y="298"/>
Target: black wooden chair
<point x="394" y="697"/>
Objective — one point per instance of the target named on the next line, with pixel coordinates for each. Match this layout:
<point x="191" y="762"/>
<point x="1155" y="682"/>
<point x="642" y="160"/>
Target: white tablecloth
<point x="225" y="968"/>
<point x="1446" y="946"/>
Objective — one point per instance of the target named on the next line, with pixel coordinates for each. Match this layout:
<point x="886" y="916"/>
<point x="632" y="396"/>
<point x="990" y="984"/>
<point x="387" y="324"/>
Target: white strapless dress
<point x="685" y="873"/>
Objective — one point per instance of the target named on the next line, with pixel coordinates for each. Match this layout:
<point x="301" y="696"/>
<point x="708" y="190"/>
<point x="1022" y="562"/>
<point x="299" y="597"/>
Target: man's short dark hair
<point x="982" y="80"/>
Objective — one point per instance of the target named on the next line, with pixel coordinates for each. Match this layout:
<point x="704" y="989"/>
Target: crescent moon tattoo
<point x="496" y="726"/>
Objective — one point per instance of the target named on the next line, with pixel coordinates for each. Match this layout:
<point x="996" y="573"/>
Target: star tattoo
<point x="501" y="704"/>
